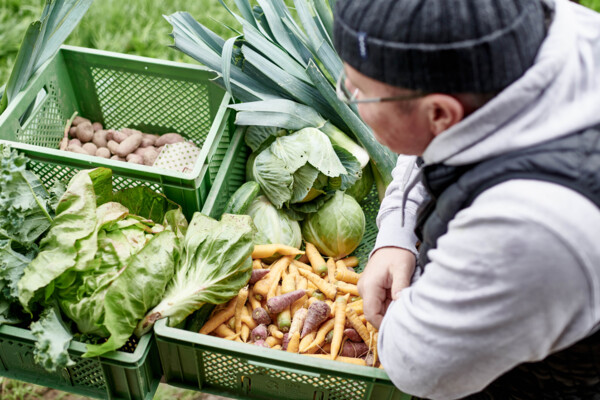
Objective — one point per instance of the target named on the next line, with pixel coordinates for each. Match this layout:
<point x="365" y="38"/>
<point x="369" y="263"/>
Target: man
<point x="500" y="99"/>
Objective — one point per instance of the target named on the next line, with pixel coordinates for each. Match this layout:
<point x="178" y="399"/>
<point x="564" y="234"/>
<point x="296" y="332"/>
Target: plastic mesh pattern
<point x="164" y="105"/>
<point x="226" y="372"/>
<point x="87" y="373"/>
<point x="49" y="173"/>
<point x="47" y="128"/>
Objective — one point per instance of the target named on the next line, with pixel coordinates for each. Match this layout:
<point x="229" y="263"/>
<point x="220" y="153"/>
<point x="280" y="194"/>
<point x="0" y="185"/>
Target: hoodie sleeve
<point x="397" y="215"/>
<point x="514" y="279"/>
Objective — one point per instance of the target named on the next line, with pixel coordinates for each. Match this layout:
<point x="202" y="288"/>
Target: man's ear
<point x="443" y="111"/>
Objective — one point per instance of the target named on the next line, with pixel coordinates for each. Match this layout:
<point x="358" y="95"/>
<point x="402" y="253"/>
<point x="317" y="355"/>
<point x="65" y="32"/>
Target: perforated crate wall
<point x="120" y="91"/>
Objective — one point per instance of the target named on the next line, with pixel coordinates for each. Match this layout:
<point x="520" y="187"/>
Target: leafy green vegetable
<point x="105" y="266"/>
<point x="145" y="202"/>
<point x="215" y="264"/>
<point x="26" y="212"/>
<point x="52" y="340"/>
<point x="337" y="228"/>
<point x="290" y="166"/>
<point x="273" y="225"/>
<point x="363" y="186"/>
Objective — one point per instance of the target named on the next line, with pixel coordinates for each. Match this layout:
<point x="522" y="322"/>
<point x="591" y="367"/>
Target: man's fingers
<point x="400" y="280"/>
<point x="376" y="321"/>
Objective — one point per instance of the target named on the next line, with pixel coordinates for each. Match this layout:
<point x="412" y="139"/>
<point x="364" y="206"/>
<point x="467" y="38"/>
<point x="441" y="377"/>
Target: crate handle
<point x="290" y="370"/>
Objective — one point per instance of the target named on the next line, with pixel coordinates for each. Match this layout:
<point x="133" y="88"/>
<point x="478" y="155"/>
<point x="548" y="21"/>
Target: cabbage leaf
<point x="215" y="264"/>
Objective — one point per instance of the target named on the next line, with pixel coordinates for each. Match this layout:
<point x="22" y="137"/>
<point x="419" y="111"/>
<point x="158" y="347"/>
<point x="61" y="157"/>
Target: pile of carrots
<point x="307" y="305"/>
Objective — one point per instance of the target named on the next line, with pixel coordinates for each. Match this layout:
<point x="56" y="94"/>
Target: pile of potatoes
<point x="130" y="145"/>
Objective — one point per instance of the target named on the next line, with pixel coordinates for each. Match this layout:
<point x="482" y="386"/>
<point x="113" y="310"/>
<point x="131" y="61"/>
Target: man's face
<point x="399" y="125"/>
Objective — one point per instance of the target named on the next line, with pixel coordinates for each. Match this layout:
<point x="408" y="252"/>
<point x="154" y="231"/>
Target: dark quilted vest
<point x="572" y="161"/>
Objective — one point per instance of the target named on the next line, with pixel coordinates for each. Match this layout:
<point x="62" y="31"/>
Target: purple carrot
<point x="259" y="333"/>
<point x="354" y="349"/>
<point x="279" y="303"/>
<point x="257" y="275"/>
<point x="261" y="316"/>
<point x="352" y="335"/>
<point x="285" y="340"/>
<point x="318" y="312"/>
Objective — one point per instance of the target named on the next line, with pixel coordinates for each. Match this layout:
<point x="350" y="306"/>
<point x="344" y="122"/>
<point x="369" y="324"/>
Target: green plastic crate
<point x="239" y="370"/>
<point x="154" y="96"/>
<point x="116" y="375"/>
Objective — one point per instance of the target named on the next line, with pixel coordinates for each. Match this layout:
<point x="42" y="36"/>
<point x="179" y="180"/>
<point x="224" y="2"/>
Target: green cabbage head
<point x="337" y="228"/>
<point x="273" y="225"/>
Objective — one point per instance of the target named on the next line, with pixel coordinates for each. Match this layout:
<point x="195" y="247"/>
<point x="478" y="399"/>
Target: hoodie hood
<point x="557" y="96"/>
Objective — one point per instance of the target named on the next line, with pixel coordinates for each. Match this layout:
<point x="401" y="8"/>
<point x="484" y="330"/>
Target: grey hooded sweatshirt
<point x="486" y="302"/>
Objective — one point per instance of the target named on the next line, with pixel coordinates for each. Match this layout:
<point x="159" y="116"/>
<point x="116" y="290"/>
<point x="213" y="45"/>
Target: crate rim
<point x="279" y="359"/>
<point x="79" y="348"/>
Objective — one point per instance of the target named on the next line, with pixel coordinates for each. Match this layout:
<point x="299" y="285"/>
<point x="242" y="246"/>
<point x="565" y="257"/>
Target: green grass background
<point x="125" y="26"/>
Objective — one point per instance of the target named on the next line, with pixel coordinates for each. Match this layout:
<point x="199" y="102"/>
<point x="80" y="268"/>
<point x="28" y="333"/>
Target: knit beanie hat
<point x="447" y="46"/>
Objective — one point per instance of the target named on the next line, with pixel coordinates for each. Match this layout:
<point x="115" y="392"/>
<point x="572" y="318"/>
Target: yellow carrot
<point x="356" y="306"/>
<point x="272" y="341"/>
<point x="239" y="305"/>
<point x="358" y="326"/>
<point x="302" y="265"/>
<point x="261" y="288"/>
<point x="245" y="333"/>
<point x="247" y="318"/>
<point x="351" y="261"/>
<point x="331" y="270"/>
<point x="294" y="343"/>
<point x="350" y="360"/>
<point x="257" y="264"/>
<point x="321" y="333"/>
<point x="274" y="331"/>
<point x="344" y="274"/>
<point x="269" y="250"/>
<point x="298" y="304"/>
<point x="276" y="347"/>
<point x="338" y="328"/>
<point x="347" y="288"/>
<point x="316" y="260"/>
<point x="288" y="283"/>
<point x="220" y="317"/>
<point x="224" y="331"/>
<point x="306" y="342"/>
<point x="327" y="288"/>
<point x="254" y="303"/>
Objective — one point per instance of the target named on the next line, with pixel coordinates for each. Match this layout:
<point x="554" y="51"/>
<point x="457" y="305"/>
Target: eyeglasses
<point x="350" y="97"/>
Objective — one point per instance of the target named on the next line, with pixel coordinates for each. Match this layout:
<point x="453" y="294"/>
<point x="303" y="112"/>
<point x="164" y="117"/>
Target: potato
<point x="78" y="120"/>
<point x="76" y="149"/>
<point x="85" y="132"/>
<point x="75" y="142"/>
<point x="149" y="140"/>
<point x="150" y="156"/>
<point x="115" y="157"/>
<point x="90" y="148"/>
<point x="99" y="138"/>
<point x="168" y="138"/>
<point x="73" y="131"/>
<point x="117" y="136"/>
<point x="135" y="159"/>
<point x="103" y="152"/>
<point x="128" y="145"/>
<point x="97" y="126"/>
<point x="112" y="146"/>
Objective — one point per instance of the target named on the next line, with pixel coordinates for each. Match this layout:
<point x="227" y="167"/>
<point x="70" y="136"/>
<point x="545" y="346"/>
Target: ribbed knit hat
<point x="447" y="46"/>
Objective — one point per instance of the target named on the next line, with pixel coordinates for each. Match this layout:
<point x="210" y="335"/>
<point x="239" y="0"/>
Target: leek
<point x="42" y="40"/>
<point x="284" y="68"/>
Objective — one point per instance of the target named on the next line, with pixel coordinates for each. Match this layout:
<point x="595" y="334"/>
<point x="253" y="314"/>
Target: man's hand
<point x="389" y="270"/>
